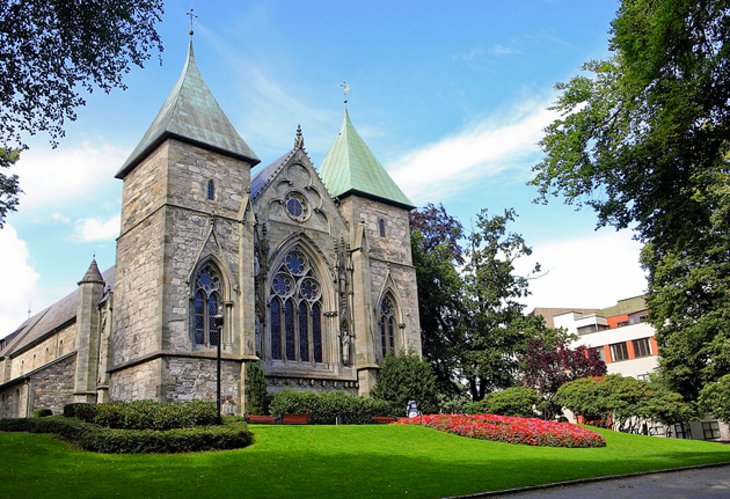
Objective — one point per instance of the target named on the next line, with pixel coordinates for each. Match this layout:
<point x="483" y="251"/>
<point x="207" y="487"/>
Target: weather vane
<point x="345" y="90"/>
<point x="191" y="15"/>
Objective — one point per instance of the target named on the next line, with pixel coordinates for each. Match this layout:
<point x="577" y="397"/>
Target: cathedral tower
<point x="184" y="254"/>
<point x="385" y="301"/>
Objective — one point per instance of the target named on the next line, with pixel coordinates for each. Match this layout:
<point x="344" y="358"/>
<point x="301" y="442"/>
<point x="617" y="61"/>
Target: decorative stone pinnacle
<point x="299" y="140"/>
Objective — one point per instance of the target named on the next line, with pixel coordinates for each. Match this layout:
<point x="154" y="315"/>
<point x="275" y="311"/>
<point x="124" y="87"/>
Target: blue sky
<point x="450" y="96"/>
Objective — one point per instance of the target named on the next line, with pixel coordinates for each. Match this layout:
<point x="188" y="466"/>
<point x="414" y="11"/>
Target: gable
<point x="289" y="192"/>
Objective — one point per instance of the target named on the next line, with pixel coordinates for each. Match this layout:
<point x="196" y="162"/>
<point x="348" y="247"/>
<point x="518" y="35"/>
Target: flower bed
<point x="512" y="430"/>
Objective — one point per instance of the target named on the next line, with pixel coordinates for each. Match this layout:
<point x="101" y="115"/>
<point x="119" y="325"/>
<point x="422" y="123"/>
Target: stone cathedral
<point x="310" y="269"/>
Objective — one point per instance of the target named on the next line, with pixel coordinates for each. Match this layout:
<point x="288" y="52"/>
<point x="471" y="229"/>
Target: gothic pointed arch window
<point x="207" y="293"/>
<point x="387" y="324"/>
<point x="296" y="311"/>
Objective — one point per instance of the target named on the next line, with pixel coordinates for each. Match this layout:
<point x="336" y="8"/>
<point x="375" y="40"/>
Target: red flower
<point x="527" y="431"/>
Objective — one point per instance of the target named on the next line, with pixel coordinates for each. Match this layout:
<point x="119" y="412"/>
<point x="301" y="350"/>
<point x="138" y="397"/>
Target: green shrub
<point x="146" y="414"/>
<point x="83" y="411"/>
<point x="325" y="407"/>
<point x="232" y="435"/>
<point x="69" y="428"/>
<point x="204" y="438"/>
<point x="42" y="413"/>
<point x="257" y="398"/>
<point x="407" y="377"/>
<point x="515" y="401"/>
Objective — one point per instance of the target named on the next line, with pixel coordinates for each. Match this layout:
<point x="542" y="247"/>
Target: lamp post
<point x="218" y="323"/>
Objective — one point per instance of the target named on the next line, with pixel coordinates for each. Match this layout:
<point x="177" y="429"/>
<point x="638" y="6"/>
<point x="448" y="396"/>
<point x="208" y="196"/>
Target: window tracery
<point x="206" y="302"/>
<point x="387" y="324"/>
<point x="296" y="311"/>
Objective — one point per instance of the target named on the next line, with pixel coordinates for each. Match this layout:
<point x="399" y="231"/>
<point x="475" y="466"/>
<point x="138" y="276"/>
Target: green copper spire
<point x="351" y="168"/>
<point x="191" y="114"/>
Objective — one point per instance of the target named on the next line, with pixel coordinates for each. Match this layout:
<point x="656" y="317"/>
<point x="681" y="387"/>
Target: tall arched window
<point x="296" y="311"/>
<point x="211" y="189"/>
<point x="387" y="324"/>
<point x="206" y="302"/>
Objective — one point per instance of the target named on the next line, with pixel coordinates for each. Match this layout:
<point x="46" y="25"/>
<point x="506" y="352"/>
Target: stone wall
<point x="52" y="387"/>
<point x="140" y="382"/>
<point x="186" y="379"/>
<point x="389" y="263"/>
<point x="54" y="346"/>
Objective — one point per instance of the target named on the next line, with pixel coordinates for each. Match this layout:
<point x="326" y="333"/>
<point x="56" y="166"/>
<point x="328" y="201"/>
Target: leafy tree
<point x="406" y="377"/>
<point x="644" y="139"/>
<point x="435" y="238"/>
<point x="548" y="363"/>
<point x="257" y="398"/>
<point x="585" y="397"/>
<point x="715" y="398"/>
<point x="630" y="403"/>
<point x="492" y="333"/>
<point x="9" y="187"/>
<point x="50" y="50"/>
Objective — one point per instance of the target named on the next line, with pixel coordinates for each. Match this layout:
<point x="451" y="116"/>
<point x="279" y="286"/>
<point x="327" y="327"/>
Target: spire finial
<point x="191" y="14"/>
<point x="299" y="140"/>
<point x="345" y="90"/>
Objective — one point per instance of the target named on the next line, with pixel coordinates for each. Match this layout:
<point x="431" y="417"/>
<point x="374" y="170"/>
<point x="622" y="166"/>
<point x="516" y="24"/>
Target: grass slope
<point x="324" y="461"/>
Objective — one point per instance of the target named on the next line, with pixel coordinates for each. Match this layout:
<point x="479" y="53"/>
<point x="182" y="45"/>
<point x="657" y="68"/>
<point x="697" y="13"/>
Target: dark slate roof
<point x="48" y="320"/>
<point x="350" y="167"/>
<point x="264" y="175"/>
<point x="93" y="274"/>
<point x="191" y="113"/>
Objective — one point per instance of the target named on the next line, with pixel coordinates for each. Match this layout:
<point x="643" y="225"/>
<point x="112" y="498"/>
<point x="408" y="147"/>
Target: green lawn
<point x="322" y="461"/>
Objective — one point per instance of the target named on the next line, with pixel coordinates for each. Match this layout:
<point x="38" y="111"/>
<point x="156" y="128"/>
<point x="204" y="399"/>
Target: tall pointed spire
<point x="351" y="168"/>
<point x="191" y="114"/>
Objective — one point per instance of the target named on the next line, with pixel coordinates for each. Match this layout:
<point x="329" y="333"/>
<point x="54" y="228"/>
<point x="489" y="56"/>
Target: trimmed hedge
<point x="232" y="435"/>
<point x="325" y="407"/>
<point x="42" y="413"/>
<point x="202" y="438"/>
<point x="85" y="412"/>
<point x="145" y="414"/>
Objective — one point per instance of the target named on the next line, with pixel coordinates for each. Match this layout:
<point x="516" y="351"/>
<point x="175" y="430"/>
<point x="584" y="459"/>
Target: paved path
<point x="703" y="483"/>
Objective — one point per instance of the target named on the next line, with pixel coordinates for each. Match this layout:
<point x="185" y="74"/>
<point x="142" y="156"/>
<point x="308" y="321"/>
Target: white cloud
<point x="590" y="272"/>
<point x="97" y="229"/>
<point x="60" y="217"/>
<point x="499" y="49"/>
<point x="50" y="177"/>
<point x="486" y="149"/>
<point x="19" y="280"/>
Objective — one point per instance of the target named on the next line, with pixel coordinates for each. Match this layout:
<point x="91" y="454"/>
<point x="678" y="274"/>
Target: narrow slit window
<point x="381" y="226"/>
<point x="211" y="189"/>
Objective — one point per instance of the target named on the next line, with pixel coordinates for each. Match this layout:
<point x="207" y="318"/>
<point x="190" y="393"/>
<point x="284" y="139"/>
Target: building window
<point x="211" y="189"/>
<point x="710" y="430"/>
<point x="206" y="304"/>
<point x="681" y="431"/>
<point x="296" y="311"/>
<point x="657" y="431"/>
<point x="296" y="206"/>
<point x="387" y="325"/>
<point x="619" y="352"/>
<point x="381" y="226"/>
<point x="642" y="348"/>
<point x="636" y="319"/>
